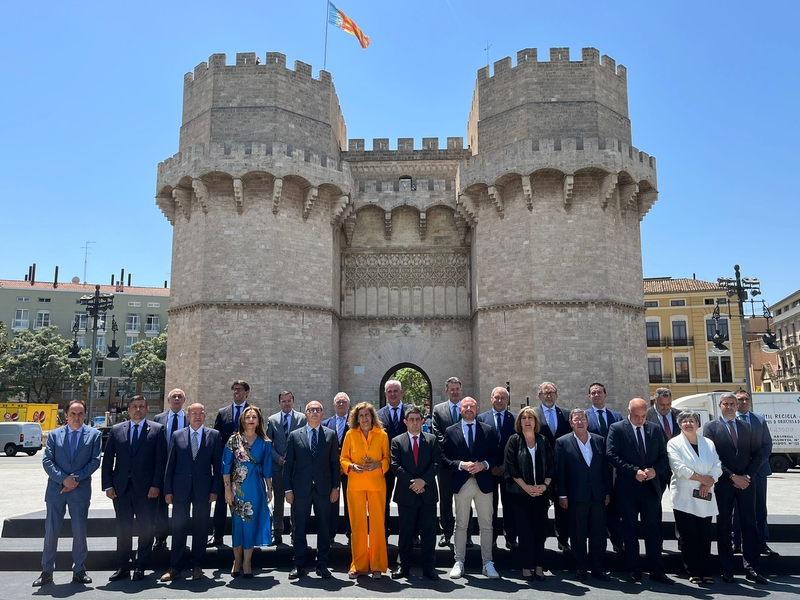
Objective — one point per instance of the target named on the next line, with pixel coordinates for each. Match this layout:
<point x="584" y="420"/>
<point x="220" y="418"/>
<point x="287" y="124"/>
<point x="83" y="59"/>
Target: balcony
<point x="684" y="342"/>
<point x="656" y="343"/>
<point x="660" y="378"/>
<point x="20" y="324"/>
<point x="151" y="328"/>
<point x="132" y="327"/>
<point x="682" y="378"/>
<point x="788" y="341"/>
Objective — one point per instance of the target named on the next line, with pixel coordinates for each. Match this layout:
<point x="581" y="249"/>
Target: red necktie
<point x="416" y="451"/>
<point x="667" y="428"/>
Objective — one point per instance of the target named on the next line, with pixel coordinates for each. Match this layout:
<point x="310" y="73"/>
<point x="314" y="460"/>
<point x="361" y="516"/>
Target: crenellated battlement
<point x="405" y="150"/>
<point x="250" y="60"/>
<point x="529" y="58"/>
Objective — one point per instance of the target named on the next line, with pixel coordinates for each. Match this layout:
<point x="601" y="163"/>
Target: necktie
<point x="415" y="449"/>
<point x="314" y="442"/>
<point x="174" y="423"/>
<point x="236" y="417"/>
<point x="499" y="420"/>
<point x="73" y="443"/>
<point x="195" y="444"/>
<point x="733" y="434"/>
<point x="135" y="433"/>
<point x="603" y="425"/>
<point x="744" y="417"/>
<point x="285" y="425"/>
<point x="454" y="413"/>
<point x="340" y="428"/>
<point x="667" y="428"/>
<point x="551" y="419"/>
<point x="394" y="416"/>
<point x="642" y="458"/>
<point x="470" y="437"/>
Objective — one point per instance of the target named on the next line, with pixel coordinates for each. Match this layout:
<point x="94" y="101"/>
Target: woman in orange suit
<point x="365" y="459"/>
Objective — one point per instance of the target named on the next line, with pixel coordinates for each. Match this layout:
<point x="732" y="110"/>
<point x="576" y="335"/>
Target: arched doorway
<point x="416" y="385"/>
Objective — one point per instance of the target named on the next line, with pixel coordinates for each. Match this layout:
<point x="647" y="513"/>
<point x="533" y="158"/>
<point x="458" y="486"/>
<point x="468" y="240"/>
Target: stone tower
<point x="299" y="265"/>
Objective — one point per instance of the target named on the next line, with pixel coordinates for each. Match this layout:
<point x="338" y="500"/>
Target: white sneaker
<point x="457" y="571"/>
<point x="490" y="571"/>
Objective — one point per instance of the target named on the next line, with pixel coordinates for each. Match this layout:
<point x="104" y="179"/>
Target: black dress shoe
<point x="752" y="575"/>
<point x="400" y="573"/>
<point x="323" y="572"/>
<point x="634" y="577"/>
<point x="138" y="575"/>
<point x="618" y="549"/>
<point x="247" y="575"/>
<point x="430" y="574"/>
<point x="601" y="575"/>
<point x="511" y="544"/>
<point x="81" y="577"/>
<point x="737" y="549"/>
<point x="213" y="542"/>
<point x="159" y="545"/>
<point x="564" y="547"/>
<point x="120" y="574"/>
<point x="581" y="575"/>
<point x="538" y="577"/>
<point x="444" y="541"/>
<point x="296" y="573"/>
<point x="767" y="551"/>
<point x="728" y="578"/>
<point x="43" y="579"/>
<point x="661" y="578"/>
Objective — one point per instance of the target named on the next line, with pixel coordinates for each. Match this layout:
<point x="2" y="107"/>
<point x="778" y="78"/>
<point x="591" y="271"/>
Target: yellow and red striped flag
<point x="342" y="21"/>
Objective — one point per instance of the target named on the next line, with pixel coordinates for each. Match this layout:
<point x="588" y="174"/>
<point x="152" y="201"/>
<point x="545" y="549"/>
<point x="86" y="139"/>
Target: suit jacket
<point x="164" y="418"/>
<point x="279" y="439"/>
<point x="385" y="415"/>
<point x="505" y="433"/>
<point x="143" y="464"/>
<point x="611" y="416"/>
<point x="58" y="464"/>
<point x="224" y="421"/>
<point x="442" y="419"/>
<point x="330" y="423"/>
<point x="302" y="471"/>
<point x="685" y="462"/>
<point x="562" y="425"/>
<point x="577" y="481"/>
<point x="741" y="459"/>
<point x="761" y="432"/>
<point x="484" y="448"/>
<point x="653" y="416"/>
<point x="519" y="464"/>
<point x="405" y="469"/>
<point x="622" y="451"/>
<point x="198" y="477"/>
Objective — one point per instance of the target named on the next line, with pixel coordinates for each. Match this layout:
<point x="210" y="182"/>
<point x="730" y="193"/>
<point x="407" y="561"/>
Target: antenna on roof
<point x="86" y="259"/>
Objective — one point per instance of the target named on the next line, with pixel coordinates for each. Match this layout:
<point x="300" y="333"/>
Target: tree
<point x="147" y="364"/>
<point x="416" y="390"/>
<point x="36" y="366"/>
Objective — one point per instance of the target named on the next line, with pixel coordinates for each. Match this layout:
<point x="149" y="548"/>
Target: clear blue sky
<point x="92" y="91"/>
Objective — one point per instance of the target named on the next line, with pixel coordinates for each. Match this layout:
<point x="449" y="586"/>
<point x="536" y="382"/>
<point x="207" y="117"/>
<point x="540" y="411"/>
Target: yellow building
<point x="680" y="324"/>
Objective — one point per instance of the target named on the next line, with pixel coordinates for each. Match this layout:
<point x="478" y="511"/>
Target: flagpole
<point x="325" y="55"/>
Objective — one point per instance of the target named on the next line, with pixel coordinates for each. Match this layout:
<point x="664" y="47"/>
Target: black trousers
<point x="390" y="481"/>
<point x="334" y="526"/>
<point x="447" y="520"/>
<point x="745" y="502"/>
<point x="220" y="517"/>
<point x="189" y="517"/>
<point x="696" y="546"/>
<point x="508" y="528"/>
<point x="530" y="515"/>
<point x="647" y="504"/>
<point x="321" y="503"/>
<point x="587" y="522"/>
<point x="417" y="517"/>
<point x="130" y="506"/>
<point x="279" y="497"/>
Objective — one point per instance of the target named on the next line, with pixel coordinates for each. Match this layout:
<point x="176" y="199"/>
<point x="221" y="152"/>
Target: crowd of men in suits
<point x="610" y="472"/>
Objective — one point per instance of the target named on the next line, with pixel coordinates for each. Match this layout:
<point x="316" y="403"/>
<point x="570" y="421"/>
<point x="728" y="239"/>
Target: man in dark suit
<point x="416" y="459"/>
<point x="469" y="452"/>
<point x="392" y="415"/>
<point x="172" y="420"/>
<point x="740" y="454"/>
<point x="134" y="463"/>
<point x="584" y="490"/>
<point x="226" y="423"/>
<point x="193" y="481"/>
<point x="553" y="424"/>
<point x="338" y="423"/>
<point x="638" y="451"/>
<point x="71" y="456"/>
<point x="502" y="420"/>
<point x="666" y="417"/>
<point x="600" y="419"/>
<point x="446" y="414"/>
<point x="311" y="479"/>
<point x="279" y="426"/>
<point x="764" y="438"/>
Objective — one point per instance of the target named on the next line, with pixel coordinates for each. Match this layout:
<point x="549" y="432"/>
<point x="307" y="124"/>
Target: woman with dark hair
<point x="247" y="474"/>
<point x="365" y="459"/>
<point x="529" y="467"/>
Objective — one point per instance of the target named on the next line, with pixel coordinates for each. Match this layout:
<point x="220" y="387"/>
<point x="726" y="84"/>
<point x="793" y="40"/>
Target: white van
<point x="20" y="437"/>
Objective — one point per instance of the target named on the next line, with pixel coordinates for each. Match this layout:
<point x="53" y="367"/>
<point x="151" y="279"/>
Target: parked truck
<point x="45" y="415"/>
<point x="781" y="411"/>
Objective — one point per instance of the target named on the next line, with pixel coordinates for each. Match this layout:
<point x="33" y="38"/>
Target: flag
<point x="346" y="24"/>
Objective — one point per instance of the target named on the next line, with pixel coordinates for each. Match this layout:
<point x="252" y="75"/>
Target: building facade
<point x="307" y="262"/>
<point x="786" y="376"/>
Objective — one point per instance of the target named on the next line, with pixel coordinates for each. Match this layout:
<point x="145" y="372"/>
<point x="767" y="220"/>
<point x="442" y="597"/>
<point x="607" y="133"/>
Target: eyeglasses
<point x="314" y="409"/>
<point x="196" y="413"/>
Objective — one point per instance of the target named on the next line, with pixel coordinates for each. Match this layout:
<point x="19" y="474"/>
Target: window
<point x="101" y="344"/>
<point x="81" y="319"/>
<point x="99" y="369"/>
<point x="711" y="329"/>
<point x="101" y="322"/>
<point x="152" y="324"/>
<point x="654" y="370"/>
<point x="653" y="334"/>
<point x="23" y="299"/>
<point x="70" y="391"/>
<point x="677" y="302"/>
<point x="44" y="299"/>
<point x="129" y="342"/>
<point x="720" y="369"/>
<point x="153" y="304"/>
<point x="681" y="369"/>
<point x="81" y="339"/>
<point x="21" y="320"/>
<point x="651" y="304"/>
<point x="133" y="324"/>
<point x="150" y="393"/>
<point x="679" y="336"/>
<point x="42" y="319"/>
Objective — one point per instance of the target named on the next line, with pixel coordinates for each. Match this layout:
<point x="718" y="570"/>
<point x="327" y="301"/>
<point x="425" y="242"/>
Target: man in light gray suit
<point x="279" y="426"/>
<point x="71" y="456"/>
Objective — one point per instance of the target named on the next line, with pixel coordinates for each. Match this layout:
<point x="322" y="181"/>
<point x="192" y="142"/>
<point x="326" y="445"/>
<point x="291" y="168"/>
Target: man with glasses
<point x="226" y="423"/>
<point x="173" y="420"/>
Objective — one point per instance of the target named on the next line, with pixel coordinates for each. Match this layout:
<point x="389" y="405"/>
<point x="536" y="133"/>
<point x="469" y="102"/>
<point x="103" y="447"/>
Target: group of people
<point x="602" y="472"/>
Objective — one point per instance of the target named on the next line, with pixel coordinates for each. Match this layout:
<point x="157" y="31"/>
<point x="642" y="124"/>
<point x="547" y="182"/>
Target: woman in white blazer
<point x="695" y="469"/>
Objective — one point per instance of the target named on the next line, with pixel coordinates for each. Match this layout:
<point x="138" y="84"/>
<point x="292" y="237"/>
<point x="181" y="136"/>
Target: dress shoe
<point x="120" y="574"/>
<point x="213" y="542"/>
<point x="159" y="545"/>
<point x="727" y="578"/>
<point x="81" y="577"/>
<point x="171" y="575"/>
<point x="634" y="577"/>
<point x="539" y="576"/>
<point x="430" y="574"/>
<point x="247" y="575"/>
<point x="601" y="575"/>
<point x="323" y="572"/>
<point x="661" y="578"/>
<point x="737" y="549"/>
<point x="377" y="574"/>
<point x="296" y="572"/>
<point x="618" y="549"/>
<point x="754" y="576"/>
<point x="581" y="575"/>
<point x="400" y="573"/>
<point x="767" y="551"/>
<point x="511" y="544"/>
<point x="277" y="540"/>
<point x="138" y="575"/>
<point x="444" y="541"/>
<point x="43" y="579"/>
<point x="236" y="574"/>
<point x="564" y="547"/>
<point x="470" y="543"/>
<point x="197" y="573"/>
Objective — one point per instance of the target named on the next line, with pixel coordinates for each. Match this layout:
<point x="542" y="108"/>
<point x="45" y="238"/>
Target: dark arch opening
<point x="391" y="373"/>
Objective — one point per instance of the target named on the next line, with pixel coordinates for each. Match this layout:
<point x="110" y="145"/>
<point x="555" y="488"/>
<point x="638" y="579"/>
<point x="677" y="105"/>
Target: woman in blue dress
<point x="247" y="474"/>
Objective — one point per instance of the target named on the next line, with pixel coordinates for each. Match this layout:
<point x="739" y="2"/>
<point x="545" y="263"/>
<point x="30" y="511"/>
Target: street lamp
<point x="739" y="286"/>
<point x="718" y="338"/>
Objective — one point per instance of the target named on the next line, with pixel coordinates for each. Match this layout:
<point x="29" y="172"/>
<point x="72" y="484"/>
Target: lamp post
<point x="739" y="286"/>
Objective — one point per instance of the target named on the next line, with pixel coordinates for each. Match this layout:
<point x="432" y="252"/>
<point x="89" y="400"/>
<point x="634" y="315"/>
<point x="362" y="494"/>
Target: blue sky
<point x="92" y="103"/>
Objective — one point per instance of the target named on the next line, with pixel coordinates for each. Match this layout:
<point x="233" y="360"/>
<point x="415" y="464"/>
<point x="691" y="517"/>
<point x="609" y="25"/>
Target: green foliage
<point x="416" y="390"/>
<point x="148" y="364"/>
<point x="36" y="366"/>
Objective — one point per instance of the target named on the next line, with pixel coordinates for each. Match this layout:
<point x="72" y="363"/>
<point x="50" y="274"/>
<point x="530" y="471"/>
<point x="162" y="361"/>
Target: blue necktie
<point x="73" y="444"/>
<point x="135" y="434"/>
<point x="313" y="442"/>
<point x="470" y="437"/>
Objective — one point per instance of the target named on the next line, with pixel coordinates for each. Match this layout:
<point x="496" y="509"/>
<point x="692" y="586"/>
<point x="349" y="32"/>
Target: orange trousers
<point x="368" y="534"/>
